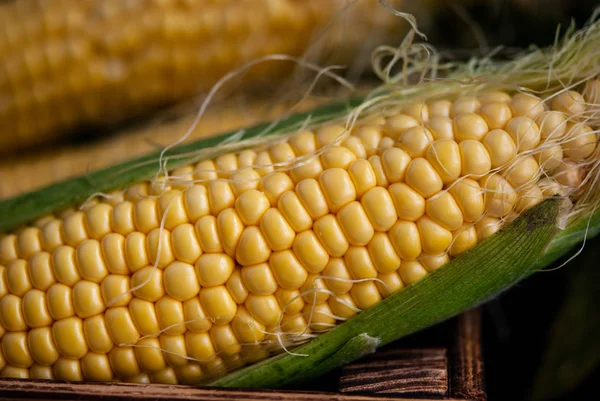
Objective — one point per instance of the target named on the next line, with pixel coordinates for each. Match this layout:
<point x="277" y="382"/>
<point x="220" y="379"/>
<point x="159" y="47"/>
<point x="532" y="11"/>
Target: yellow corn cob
<point x="238" y="256"/>
<point x="66" y="63"/>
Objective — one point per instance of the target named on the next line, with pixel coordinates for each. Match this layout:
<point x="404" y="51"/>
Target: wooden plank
<point x="466" y="369"/>
<point x="419" y="373"/>
<point x="18" y="389"/>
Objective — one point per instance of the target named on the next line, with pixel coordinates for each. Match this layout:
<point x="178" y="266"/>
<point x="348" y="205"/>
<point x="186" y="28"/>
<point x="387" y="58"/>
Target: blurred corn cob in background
<point x="66" y="64"/>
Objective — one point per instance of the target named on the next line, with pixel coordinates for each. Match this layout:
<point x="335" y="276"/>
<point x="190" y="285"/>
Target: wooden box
<point x="444" y="362"/>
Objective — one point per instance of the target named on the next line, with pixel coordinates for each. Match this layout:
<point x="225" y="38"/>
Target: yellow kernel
<point x="16" y="350"/>
<point x="527" y="105"/>
<point x="282" y="153"/>
<point x="303" y="142"/>
<point x="264" y="308"/>
<point x="329" y="232"/>
<point x="384" y="257"/>
<point x="475" y="158"/>
<point x="314" y="291"/>
<point x="230" y="229"/>
<point x="224" y="340"/>
<point x="226" y="163"/>
<point x="28" y="242"/>
<point x="395" y="163"/>
<point x="525" y="132"/>
<point x="11" y="313"/>
<point x="113" y="252"/>
<point x="440" y="127"/>
<point x="409" y="204"/>
<point x="414" y="141"/>
<point x="278" y="234"/>
<point x="288" y="270"/>
<point x="290" y="301"/>
<point x="196" y="202"/>
<point x="439" y="108"/>
<point x="122" y="219"/>
<point x="337" y="276"/>
<point x="309" y="168"/>
<point x="499" y="196"/>
<point x="158" y="244"/>
<point x="35" y="310"/>
<point x="552" y="124"/>
<point x="469" y="126"/>
<point x="365" y="294"/>
<point x="487" y="226"/>
<point x="263" y="163"/>
<point x="123" y="362"/>
<point x="96" y="334"/>
<point x="528" y="198"/>
<point x="259" y="279"/>
<point x="495" y="114"/>
<point x="433" y="262"/>
<point x="74" y="230"/>
<point x="145" y="215"/>
<point x="169" y="313"/>
<point x="444" y="156"/>
<point x="96" y="367"/>
<point x="67" y="369"/>
<point x="355" y="145"/>
<point x="149" y="355"/>
<point x="309" y="251"/>
<point x="389" y="283"/>
<point x="494" y="96"/>
<point x="523" y="171"/>
<point x="468" y="195"/>
<point x="218" y="304"/>
<point x="175" y="349"/>
<point x="422" y="177"/>
<point x="69" y="337"/>
<point x="444" y="210"/>
<point x="355" y="224"/>
<point x="570" y="102"/>
<point x="370" y="135"/>
<point x="312" y="198"/>
<point x="8" y="248"/>
<point x="337" y="157"/>
<point x="330" y="134"/>
<point x="295" y="214"/>
<point x="208" y="234"/>
<point x="195" y="318"/>
<point x="98" y="218"/>
<point x="87" y="299"/>
<point x="568" y="174"/>
<point x="275" y="184"/>
<point x="319" y="317"/>
<point x="147" y="283"/>
<point x="17" y="277"/>
<point x="377" y="166"/>
<point x="64" y="265"/>
<point x="379" y="207"/>
<point x="397" y="124"/>
<point x="464" y="239"/>
<point x="582" y="143"/>
<point x="60" y="301"/>
<point x="90" y="261"/>
<point x="406" y="240"/>
<point x="337" y="187"/>
<point x="420" y="111"/>
<point x="549" y="157"/>
<point x="464" y="104"/>
<point x="136" y="253"/>
<point x="411" y="271"/>
<point x="359" y="263"/>
<point x="199" y="346"/>
<point x="51" y="235"/>
<point x="363" y="176"/>
<point x="180" y="280"/>
<point x="172" y="209"/>
<point x="220" y="196"/>
<point x="214" y="269"/>
<point x="500" y="146"/>
<point x="251" y="205"/>
<point x="434" y="237"/>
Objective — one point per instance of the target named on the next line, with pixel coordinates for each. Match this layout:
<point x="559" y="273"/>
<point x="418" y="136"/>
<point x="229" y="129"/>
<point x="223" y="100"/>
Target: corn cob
<point x="226" y="261"/>
<point x="66" y="64"/>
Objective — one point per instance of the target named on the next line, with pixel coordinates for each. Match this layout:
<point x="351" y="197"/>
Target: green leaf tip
<point x="483" y="272"/>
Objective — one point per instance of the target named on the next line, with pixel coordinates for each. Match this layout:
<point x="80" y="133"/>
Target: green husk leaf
<point x="573" y="349"/>
<point x="471" y="279"/>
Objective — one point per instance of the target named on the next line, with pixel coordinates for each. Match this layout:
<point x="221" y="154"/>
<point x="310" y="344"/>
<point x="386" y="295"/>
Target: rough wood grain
<point x="420" y="373"/>
<point x="466" y="369"/>
<point x="16" y="389"/>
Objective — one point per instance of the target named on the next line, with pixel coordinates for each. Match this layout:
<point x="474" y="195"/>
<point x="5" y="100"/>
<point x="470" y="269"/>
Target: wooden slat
<point x="467" y="359"/>
<point x="17" y="389"/>
<point x="420" y="373"/>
